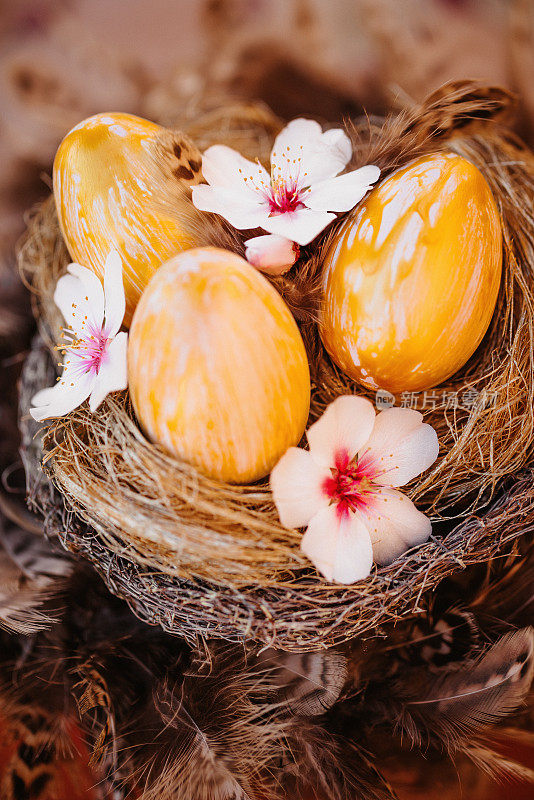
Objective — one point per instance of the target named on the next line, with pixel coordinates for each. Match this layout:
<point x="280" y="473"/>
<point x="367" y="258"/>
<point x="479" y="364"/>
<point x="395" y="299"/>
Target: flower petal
<point x="341" y="193"/>
<point x="303" y="154"/>
<point x="241" y="211"/>
<point x="301" y="226"/>
<point x="272" y="254"/>
<point x="296" y="484"/>
<point x="112" y="375"/>
<point x="394" y="524"/>
<point x="67" y="394"/>
<point x="339" y="546"/>
<point x="114" y="299"/>
<point x="400" y="447"/>
<point x="80" y="298"/>
<point x="342" y="430"/>
<point x="225" y="168"/>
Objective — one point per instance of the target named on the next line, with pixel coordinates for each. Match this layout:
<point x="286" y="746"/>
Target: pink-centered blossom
<point x="93" y="350"/>
<point x="344" y="488"/>
<point x="297" y="198"/>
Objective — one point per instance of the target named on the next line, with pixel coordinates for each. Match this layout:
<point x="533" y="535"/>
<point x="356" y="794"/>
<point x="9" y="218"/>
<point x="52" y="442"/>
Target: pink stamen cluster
<point x="284" y="198"/>
<point x="283" y="193"/>
<point x="89" y="350"/>
<point x="349" y="486"/>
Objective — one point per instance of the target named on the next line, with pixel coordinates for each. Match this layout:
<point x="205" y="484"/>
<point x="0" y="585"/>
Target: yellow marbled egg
<point x="412" y="278"/>
<point x="104" y="191"/>
<point x="217" y="368"/>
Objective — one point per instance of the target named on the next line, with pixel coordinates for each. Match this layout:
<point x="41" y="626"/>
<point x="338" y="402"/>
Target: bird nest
<point x="208" y="559"/>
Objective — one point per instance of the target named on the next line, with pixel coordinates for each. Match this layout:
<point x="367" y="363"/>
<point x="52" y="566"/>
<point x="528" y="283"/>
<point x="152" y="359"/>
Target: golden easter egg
<point x="217" y="368"/>
<point x="105" y="174"/>
<point x="412" y="278"/>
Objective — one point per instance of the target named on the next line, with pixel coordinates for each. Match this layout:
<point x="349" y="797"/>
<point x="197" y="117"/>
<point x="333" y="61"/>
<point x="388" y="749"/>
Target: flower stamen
<point x="349" y="485"/>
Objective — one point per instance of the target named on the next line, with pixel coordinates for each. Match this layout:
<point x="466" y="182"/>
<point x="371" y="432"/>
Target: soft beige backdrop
<point x="61" y="60"/>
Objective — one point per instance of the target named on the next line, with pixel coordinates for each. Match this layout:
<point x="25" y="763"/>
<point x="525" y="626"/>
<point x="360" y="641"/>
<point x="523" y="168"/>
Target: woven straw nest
<point x="203" y="558"/>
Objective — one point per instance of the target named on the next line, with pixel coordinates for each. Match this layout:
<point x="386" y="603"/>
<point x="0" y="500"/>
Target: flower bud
<point x="271" y="254"/>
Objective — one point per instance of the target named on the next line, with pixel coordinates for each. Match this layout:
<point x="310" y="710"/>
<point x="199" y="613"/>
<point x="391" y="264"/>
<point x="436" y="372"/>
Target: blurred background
<point x="63" y="60"/>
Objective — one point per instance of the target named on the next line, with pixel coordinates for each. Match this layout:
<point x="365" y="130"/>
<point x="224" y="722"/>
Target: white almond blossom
<point x="343" y="487"/>
<point x="94" y="352"/>
<point x="297" y="199"/>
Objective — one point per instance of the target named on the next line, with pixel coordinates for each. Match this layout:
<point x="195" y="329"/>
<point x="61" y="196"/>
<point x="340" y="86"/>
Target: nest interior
<point x="208" y="559"/>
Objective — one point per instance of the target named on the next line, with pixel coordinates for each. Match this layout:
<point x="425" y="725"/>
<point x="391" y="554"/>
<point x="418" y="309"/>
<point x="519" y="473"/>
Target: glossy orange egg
<point x="217" y="368"/>
<point x="412" y="278"/>
<point x="104" y="198"/>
